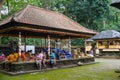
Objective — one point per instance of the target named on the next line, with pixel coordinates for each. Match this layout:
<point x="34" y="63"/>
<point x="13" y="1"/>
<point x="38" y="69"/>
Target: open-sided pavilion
<point x="35" y="22"/>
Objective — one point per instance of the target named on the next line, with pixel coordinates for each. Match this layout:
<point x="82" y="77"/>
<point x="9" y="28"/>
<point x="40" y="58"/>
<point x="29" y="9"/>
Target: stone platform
<point x="30" y="66"/>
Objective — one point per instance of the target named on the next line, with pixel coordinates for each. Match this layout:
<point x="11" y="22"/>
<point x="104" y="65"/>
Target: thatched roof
<point x="116" y="3"/>
<point x="37" y="21"/>
<point x="108" y="34"/>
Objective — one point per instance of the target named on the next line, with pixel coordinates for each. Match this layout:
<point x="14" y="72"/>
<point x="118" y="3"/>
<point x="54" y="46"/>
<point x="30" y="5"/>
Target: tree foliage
<point x="94" y="14"/>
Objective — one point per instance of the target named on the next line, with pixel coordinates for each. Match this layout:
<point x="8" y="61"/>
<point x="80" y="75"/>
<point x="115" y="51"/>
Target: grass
<point x="88" y="72"/>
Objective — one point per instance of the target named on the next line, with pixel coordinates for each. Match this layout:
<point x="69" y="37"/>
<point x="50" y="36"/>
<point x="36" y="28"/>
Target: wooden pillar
<point x="19" y="44"/>
<point x="49" y="45"/>
<point x="0" y="40"/>
<point x="85" y="46"/>
<point x="69" y="45"/>
<point x="55" y="43"/>
<point x="45" y="42"/>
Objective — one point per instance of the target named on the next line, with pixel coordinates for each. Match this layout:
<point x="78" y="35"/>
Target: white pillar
<point x="19" y="44"/>
<point x="49" y="45"/>
<point x="69" y="45"/>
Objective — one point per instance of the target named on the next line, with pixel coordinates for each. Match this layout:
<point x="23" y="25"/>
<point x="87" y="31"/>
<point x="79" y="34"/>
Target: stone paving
<point x="109" y="63"/>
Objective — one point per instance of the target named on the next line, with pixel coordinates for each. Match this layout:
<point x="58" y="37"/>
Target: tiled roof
<point x="116" y="3"/>
<point x="43" y="18"/>
<point x="108" y="34"/>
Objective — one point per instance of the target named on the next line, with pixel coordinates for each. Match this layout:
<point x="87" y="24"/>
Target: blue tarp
<point x="58" y="52"/>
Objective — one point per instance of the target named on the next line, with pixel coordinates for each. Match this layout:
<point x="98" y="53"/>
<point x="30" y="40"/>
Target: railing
<point x="101" y="47"/>
<point x="114" y="46"/>
<point x="109" y="47"/>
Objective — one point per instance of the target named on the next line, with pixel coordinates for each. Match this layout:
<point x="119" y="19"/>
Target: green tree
<point x="1" y="3"/>
<point x="93" y="14"/>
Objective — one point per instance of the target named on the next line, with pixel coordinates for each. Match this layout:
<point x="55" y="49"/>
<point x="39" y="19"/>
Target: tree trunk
<point x="1" y="3"/>
<point x="104" y="24"/>
<point x="8" y="5"/>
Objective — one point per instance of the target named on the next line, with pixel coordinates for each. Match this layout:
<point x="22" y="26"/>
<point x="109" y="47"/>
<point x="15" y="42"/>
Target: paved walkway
<point x="109" y="63"/>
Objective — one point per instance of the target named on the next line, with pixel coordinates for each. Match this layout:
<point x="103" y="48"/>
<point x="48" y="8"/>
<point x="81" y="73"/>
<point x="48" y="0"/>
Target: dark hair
<point x="22" y="51"/>
<point x="40" y="51"/>
<point x="30" y="50"/>
<point x="53" y="51"/>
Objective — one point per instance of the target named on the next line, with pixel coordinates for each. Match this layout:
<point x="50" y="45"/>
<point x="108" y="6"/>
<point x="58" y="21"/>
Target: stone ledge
<point x="28" y="66"/>
<point x="34" y="71"/>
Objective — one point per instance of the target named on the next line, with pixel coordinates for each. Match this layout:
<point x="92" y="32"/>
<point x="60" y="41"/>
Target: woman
<point x="39" y="60"/>
<point x="11" y="58"/>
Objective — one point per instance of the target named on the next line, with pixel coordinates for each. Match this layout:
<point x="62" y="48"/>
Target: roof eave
<point x="116" y="4"/>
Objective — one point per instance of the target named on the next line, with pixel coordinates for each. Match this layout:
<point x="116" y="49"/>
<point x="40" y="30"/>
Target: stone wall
<point x="31" y="65"/>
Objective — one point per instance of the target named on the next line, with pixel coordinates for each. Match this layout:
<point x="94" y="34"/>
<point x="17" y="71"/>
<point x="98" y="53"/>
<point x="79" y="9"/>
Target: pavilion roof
<point x="116" y="3"/>
<point x="89" y="40"/>
<point x="108" y="34"/>
<point x="35" y="21"/>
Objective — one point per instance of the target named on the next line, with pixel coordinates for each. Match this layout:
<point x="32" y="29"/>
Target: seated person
<point x="58" y="55"/>
<point x="39" y="60"/>
<point x="52" y="59"/>
<point x="62" y="56"/>
<point x="75" y="53"/>
<point x="28" y="55"/>
<point x="23" y="57"/>
<point x="16" y="55"/>
<point x="11" y="58"/>
<point x="2" y="56"/>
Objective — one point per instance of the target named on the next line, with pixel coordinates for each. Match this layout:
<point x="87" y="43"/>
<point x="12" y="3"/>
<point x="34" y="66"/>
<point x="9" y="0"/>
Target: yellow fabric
<point x="16" y="56"/>
<point x="13" y="57"/>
